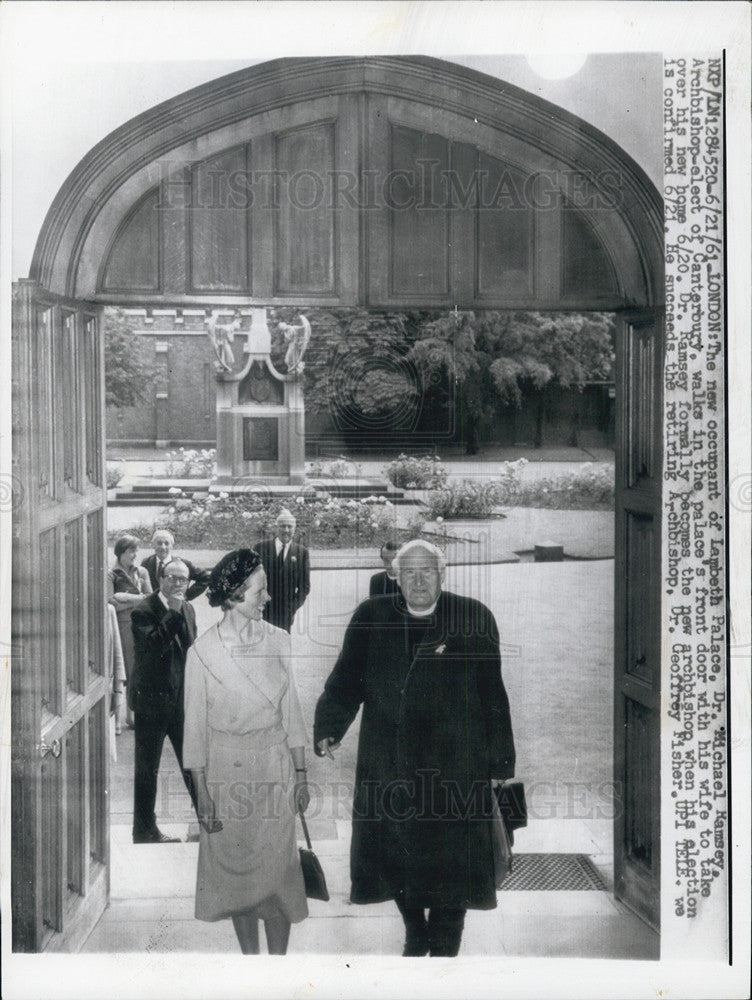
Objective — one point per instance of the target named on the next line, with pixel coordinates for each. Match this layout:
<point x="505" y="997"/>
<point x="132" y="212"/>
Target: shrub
<point x="114" y="474"/>
<point x="189" y="463"/>
<point x="226" y="522"/>
<point x="589" y="488"/>
<point x="408" y="472"/>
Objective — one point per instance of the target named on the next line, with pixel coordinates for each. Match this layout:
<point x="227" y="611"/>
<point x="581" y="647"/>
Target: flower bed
<point x="477" y="498"/>
<point x="408" y="472"/>
<point x="465" y="498"/>
<point x="589" y="488"/>
<point x="324" y="522"/>
<point x="190" y="463"/>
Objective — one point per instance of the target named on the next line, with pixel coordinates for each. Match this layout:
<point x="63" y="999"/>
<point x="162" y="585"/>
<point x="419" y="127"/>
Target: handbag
<point x="313" y="873"/>
<point x="512" y="806"/>
<point x="501" y="845"/>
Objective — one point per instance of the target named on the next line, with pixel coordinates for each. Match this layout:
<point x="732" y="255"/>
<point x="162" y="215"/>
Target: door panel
<point x="637" y="611"/>
<point x="60" y="687"/>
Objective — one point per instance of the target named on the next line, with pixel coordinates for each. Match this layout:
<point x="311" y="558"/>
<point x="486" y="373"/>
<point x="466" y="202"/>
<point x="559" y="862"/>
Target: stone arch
<point x="359" y="101"/>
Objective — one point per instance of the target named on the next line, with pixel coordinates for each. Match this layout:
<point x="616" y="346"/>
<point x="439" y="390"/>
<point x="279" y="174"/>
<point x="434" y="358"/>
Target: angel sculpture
<point x="297" y="338"/>
<point x="221" y="338"/>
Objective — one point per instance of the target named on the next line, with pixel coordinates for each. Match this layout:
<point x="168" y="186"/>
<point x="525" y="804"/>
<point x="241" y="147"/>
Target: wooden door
<point x="639" y="428"/>
<point x="60" y="688"/>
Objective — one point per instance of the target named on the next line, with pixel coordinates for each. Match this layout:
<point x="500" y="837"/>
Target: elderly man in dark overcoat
<point x="435" y="736"/>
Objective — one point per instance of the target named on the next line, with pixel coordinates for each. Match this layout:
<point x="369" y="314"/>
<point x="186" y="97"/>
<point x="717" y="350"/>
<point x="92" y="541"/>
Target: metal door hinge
<point x="55" y="748"/>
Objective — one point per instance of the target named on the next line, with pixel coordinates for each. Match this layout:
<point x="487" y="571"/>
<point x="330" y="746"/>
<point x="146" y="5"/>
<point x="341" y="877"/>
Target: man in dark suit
<point x="164" y="627"/>
<point x="163" y="542"/>
<point x="385" y="582"/>
<point x="287" y="572"/>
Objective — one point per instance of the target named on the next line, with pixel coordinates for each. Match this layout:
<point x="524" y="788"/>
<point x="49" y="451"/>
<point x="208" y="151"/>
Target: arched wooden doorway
<point x="382" y="182"/>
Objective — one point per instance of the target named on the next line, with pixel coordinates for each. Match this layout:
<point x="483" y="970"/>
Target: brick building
<point x="180" y="407"/>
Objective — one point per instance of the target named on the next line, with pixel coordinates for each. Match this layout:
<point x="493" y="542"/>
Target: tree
<point x="494" y="358"/>
<point x="128" y="372"/>
<point x="356" y="365"/>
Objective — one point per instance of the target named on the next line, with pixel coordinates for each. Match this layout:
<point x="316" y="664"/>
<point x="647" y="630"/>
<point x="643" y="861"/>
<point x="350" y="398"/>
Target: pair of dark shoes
<point x="416" y="947"/>
<point x="154" y="837"/>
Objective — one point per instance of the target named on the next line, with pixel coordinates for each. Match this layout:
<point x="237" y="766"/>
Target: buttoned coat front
<point x="435" y="730"/>
<point x="242" y="717"/>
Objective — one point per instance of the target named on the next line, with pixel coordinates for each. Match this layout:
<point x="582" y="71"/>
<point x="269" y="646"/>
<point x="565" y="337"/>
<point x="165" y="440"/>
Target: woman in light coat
<point x="244" y="743"/>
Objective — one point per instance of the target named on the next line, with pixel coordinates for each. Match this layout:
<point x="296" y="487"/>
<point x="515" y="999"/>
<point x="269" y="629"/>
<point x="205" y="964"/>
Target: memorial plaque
<point x="260" y="439"/>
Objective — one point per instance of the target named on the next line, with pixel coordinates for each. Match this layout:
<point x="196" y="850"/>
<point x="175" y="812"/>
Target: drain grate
<point x="553" y="873"/>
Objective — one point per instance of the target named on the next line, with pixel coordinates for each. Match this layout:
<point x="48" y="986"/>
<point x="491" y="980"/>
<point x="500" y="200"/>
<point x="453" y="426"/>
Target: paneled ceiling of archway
<point x="381" y="182"/>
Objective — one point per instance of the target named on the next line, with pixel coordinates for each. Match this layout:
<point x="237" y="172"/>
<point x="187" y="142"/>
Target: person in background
<point x="435" y="737"/>
<point x="164" y="627"/>
<point x="128" y="585"/>
<point x="385" y="582"/>
<point x="163" y="543"/>
<point x="288" y="575"/>
<point x="245" y="745"/>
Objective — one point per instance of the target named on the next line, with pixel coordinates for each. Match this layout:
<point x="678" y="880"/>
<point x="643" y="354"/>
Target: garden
<point x="433" y="497"/>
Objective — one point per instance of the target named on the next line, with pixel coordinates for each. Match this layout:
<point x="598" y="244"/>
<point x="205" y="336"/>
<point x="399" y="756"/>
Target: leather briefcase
<point x="512" y="806"/>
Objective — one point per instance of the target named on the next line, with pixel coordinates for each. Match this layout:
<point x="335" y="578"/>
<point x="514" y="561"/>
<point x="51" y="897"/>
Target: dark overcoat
<point x="161" y="639"/>
<point x="435" y="730"/>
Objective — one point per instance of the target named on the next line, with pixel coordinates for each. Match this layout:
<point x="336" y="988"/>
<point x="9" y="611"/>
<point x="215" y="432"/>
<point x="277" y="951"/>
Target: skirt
<point x="254" y="859"/>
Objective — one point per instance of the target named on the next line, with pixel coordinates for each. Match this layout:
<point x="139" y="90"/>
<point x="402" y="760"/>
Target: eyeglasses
<point x="175" y="579"/>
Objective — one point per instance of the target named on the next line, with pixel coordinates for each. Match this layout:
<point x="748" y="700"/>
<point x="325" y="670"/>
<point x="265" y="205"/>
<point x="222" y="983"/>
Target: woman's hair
<point x="229" y="573"/>
<point x="124" y="543"/>
<point x="419" y="543"/>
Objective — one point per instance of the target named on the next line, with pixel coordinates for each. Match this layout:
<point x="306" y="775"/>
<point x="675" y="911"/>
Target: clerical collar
<point x="422" y="614"/>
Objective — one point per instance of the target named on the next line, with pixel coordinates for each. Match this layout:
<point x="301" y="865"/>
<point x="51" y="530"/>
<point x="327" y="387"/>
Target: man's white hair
<point x="285" y="515"/>
<point x="416" y="543"/>
<point x="163" y="531"/>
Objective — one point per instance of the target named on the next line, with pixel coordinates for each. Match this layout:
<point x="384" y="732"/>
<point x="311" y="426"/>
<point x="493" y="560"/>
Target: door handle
<point x="55" y="748"/>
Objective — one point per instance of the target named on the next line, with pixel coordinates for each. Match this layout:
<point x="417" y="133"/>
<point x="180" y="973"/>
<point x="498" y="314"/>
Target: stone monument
<point x="260" y="412"/>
